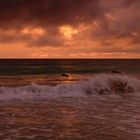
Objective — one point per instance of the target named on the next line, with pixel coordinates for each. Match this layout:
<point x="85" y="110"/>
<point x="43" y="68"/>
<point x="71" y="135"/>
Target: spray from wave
<point x="102" y="84"/>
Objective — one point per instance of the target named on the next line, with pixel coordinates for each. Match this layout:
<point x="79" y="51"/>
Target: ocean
<point x="70" y="99"/>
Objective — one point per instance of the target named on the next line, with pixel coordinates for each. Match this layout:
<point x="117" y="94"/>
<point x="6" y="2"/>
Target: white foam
<point x="102" y="84"/>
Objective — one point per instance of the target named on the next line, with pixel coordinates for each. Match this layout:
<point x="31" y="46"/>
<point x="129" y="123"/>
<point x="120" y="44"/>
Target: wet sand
<point x="71" y="119"/>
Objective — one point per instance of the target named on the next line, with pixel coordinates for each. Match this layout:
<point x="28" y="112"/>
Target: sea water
<point x="37" y="102"/>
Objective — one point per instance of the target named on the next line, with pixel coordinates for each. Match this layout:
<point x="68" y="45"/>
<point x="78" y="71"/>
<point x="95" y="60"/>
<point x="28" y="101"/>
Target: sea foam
<point x="102" y="84"/>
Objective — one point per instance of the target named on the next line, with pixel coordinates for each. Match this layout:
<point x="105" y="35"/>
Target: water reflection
<point x="68" y="118"/>
<point x="50" y="79"/>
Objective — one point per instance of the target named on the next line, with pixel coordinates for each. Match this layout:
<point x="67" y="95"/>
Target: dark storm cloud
<point x="121" y="22"/>
<point x="130" y="2"/>
<point x="17" y="13"/>
<point x="47" y="14"/>
<point x="116" y="20"/>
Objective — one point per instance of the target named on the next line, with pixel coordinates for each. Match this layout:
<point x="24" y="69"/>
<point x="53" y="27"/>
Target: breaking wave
<point x="102" y="84"/>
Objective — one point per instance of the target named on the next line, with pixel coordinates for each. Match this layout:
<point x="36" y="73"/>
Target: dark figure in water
<point x="65" y="75"/>
<point x="116" y="72"/>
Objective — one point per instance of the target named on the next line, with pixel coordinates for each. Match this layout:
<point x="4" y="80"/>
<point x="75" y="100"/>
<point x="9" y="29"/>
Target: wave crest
<point x="101" y="84"/>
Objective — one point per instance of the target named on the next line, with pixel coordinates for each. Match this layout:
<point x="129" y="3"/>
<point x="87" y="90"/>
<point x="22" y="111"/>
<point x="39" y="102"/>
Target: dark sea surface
<point x="72" y="66"/>
<point x="38" y="102"/>
<point x="48" y="71"/>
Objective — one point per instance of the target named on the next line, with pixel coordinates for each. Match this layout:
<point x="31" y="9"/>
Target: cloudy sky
<point x="69" y="28"/>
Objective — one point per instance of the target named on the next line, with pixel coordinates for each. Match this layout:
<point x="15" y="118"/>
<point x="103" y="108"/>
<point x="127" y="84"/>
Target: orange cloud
<point x="75" y="28"/>
<point x="68" y="31"/>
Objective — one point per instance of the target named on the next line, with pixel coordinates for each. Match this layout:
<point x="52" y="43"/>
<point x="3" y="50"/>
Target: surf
<point x="99" y="85"/>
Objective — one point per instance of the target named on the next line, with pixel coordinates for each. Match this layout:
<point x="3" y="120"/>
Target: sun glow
<point x="68" y="31"/>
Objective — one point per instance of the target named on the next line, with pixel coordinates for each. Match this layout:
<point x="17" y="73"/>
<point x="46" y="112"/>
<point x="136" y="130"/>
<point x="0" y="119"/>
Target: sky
<point x="69" y="29"/>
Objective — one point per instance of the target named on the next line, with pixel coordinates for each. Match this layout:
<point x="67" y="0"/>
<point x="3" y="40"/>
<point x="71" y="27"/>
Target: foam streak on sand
<point x="102" y="84"/>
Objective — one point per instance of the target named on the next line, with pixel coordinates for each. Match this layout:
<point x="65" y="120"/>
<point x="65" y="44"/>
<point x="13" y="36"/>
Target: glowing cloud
<point x="70" y="28"/>
<point x="34" y="32"/>
<point x="68" y="31"/>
